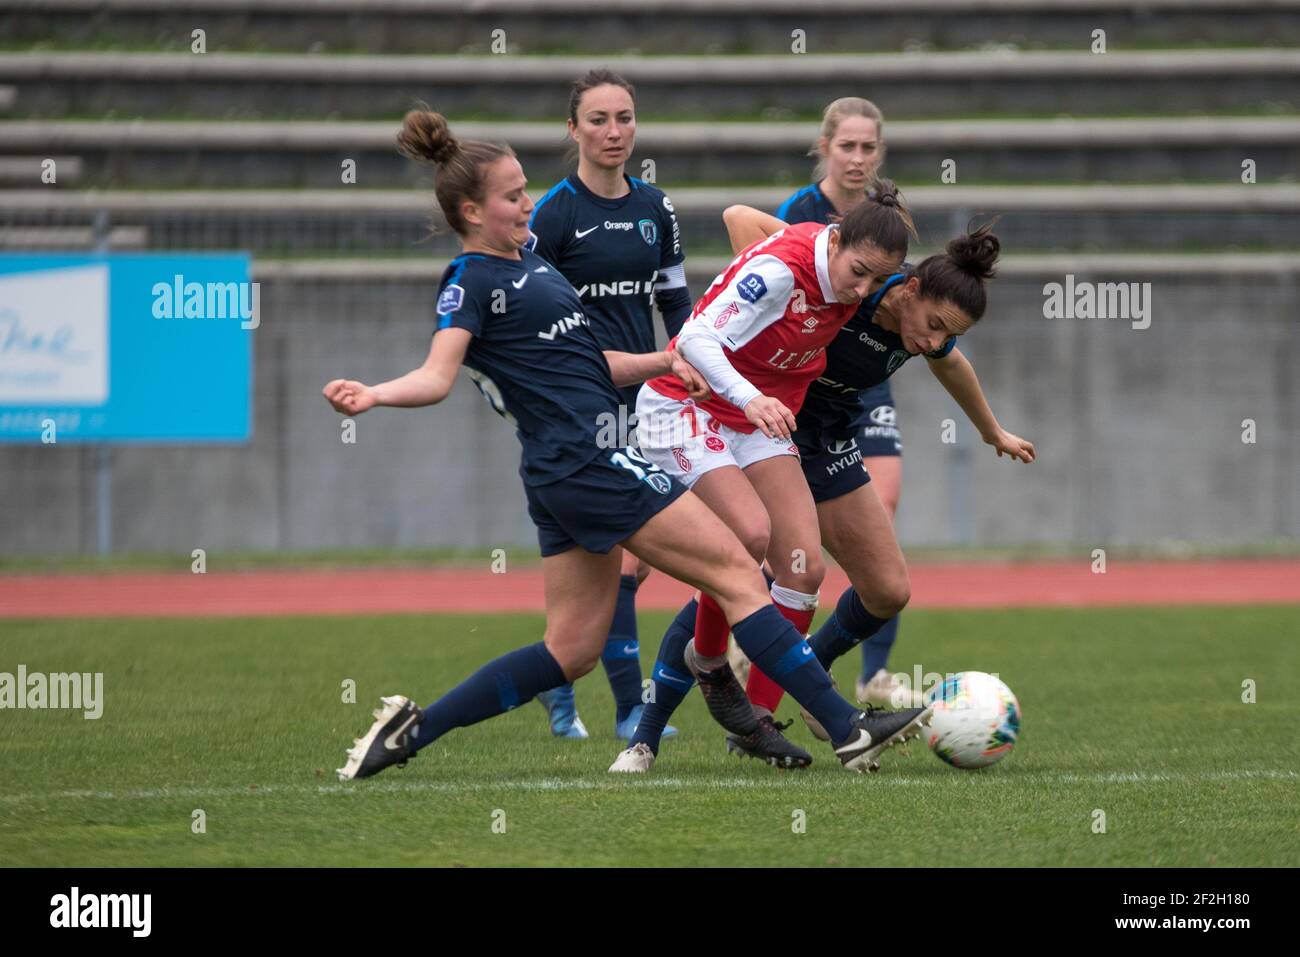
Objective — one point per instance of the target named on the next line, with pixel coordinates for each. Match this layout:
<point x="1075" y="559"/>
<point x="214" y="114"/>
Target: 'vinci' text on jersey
<point x="619" y="254"/>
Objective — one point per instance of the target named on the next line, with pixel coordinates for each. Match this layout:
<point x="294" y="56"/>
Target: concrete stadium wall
<point x="393" y="223"/>
<point x="1138" y="431"/>
<point x="1189" y="225"/>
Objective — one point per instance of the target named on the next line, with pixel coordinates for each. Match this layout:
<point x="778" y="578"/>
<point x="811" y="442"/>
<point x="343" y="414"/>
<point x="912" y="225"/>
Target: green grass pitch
<point x="1137" y="713"/>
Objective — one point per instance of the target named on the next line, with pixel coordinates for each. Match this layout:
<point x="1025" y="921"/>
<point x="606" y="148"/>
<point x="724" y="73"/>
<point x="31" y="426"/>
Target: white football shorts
<point x="685" y="441"/>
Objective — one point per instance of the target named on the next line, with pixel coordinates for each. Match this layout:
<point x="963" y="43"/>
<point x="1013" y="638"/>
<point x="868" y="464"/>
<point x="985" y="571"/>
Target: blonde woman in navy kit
<point x="850" y="150"/>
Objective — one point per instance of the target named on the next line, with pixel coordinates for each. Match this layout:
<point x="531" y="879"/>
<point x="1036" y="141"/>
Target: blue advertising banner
<point x="126" y="348"/>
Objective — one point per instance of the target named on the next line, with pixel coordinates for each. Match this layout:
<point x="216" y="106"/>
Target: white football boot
<point x="885" y="690"/>
<point x="635" y="760"/>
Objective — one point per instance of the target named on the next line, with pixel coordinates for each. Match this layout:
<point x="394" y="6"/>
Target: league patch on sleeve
<point x="451" y="299"/>
<point x="752" y="288"/>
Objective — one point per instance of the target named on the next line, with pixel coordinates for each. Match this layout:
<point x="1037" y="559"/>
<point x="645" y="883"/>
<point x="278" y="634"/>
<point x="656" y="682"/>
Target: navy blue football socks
<point x="875" y="650"/>
<point x="775" y="646"/>
<point x="499" y="686"/>
<point x="622" y="654"/>
<point x="672" y="679"/>
<point x="847" y="626"/>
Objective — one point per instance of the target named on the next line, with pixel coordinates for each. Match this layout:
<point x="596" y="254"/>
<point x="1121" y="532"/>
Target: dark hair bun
<point x="884" y="192"/>
<point x="976" y="252"/>
<point x="425" y="136"/>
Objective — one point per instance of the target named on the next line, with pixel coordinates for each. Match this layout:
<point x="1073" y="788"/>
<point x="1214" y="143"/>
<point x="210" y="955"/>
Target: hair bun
<point x="884" y="192"/>
<point x="976" y="252"/>
<point x="426" y="137"/>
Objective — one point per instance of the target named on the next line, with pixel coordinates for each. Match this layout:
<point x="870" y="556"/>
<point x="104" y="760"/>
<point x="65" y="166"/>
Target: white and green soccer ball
<point x="976" y="720"/>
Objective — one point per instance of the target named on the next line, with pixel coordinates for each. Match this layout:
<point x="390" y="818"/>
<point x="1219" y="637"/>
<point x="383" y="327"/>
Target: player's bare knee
<point x="802" y="575"/>
<point x="755" y="538"/>
<point x="888" y="597"/>
<point x="577" y="662"/>
<point x="576" y="658"/>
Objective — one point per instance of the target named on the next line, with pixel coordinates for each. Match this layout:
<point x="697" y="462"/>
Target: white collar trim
<point x="821" y="258"/>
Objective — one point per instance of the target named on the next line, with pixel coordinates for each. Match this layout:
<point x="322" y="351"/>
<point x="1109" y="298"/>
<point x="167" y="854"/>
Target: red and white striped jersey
<point x="774" y="313"/>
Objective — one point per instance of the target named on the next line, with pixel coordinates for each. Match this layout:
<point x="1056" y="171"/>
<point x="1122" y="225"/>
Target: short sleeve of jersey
<point x="548" y="226"/>
<point x="462" y="298"/>
<point x="756" y="297"/>
<point x="795" y="208"/>
<point x="943" y="350"/>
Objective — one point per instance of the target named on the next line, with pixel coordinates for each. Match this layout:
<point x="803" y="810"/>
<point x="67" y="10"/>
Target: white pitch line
<point x="630" y="783"/>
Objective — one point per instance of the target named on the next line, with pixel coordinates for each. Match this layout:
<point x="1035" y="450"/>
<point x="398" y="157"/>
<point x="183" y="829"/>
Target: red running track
<point x="377" y="591"/>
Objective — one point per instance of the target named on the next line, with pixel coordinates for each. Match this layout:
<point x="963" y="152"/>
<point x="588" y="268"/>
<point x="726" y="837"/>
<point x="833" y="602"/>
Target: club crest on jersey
<point x="648" y="231"/>
<point x="896" y="359"/>
<point x="726" y="315"/>
<point x="659" y="482"/>
<point x="451" y="298"/>
<point x="752" y="288"/>
<point x="714" y="444"/>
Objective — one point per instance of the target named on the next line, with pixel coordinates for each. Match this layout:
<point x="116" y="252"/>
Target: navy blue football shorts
<point x="601" y="504"/>
<point x="833" y="467"/>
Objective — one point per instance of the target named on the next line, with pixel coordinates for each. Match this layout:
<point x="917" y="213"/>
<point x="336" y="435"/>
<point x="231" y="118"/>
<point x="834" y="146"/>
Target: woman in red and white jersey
<point x="759" y="336"/>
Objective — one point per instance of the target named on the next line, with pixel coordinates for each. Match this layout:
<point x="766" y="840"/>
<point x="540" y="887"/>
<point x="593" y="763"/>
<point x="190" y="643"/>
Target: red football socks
<point x="711" y="629"/>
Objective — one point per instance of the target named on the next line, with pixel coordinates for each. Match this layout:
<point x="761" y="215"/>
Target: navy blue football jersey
<point x="533" y="356"/>
<point x="862" y="356"/>
<point x="619" y="254"/>
<point x="808" y="205"/>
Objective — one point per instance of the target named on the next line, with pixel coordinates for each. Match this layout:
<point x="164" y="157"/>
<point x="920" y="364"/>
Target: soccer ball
<point x="976" y="720"/>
